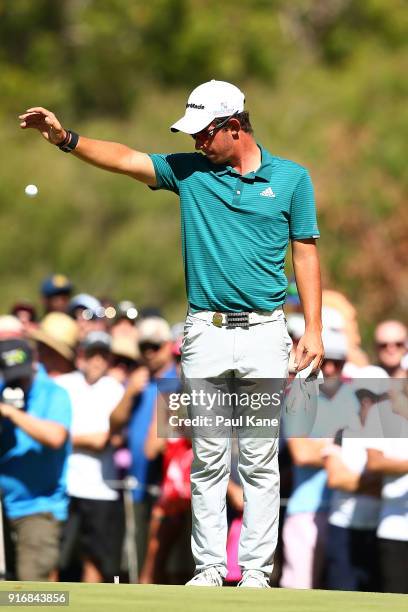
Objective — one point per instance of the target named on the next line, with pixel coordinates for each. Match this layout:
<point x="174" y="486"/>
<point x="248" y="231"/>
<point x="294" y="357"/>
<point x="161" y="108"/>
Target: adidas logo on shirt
<point x="267" y="193"/>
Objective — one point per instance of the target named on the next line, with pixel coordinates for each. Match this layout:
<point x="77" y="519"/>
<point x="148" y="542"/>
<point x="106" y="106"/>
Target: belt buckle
<point x="217" y="319"/>
<point x="237" y="319"/>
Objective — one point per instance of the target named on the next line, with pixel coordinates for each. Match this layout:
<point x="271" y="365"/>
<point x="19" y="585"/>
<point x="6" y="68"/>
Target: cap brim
<point x="192" y="123"/>
<point x="58" y="291"/>
<point x="24" y="370"/>
<point x="154" y="339"/>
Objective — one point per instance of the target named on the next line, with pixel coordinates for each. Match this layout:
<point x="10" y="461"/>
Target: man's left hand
<point x="309" y="350"/>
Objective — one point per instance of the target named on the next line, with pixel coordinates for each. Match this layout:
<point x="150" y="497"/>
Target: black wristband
<point x="70" y="142"/>
<point x="66" y="140"/>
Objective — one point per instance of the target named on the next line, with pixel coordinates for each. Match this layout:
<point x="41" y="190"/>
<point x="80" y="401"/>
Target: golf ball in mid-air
<point x="31" y="191"/>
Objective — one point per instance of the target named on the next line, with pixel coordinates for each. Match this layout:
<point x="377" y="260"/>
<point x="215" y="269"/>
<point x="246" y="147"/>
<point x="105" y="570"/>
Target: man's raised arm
<point x="111" y="156"/>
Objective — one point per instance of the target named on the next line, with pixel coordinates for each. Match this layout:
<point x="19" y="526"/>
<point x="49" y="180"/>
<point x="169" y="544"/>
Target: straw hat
<point x="58" y="331"/>
<point x="123" y="346"/>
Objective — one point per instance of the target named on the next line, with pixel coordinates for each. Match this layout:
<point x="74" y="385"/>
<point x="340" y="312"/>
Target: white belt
<point x="219" y="319"/>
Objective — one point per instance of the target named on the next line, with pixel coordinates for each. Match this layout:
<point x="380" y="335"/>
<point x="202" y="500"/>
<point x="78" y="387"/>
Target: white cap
<point x="332" y="319"/>
<point x="154" y="329"/>
<point x="208" y="101"/>
<point x="296" y="325"/>
<point x="86" y="301"/>
<point x="335" y="344"/>
<point x="372" y="378"/>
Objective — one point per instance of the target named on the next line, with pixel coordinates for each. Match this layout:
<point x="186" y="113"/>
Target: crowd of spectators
<point x="90" y="491"/>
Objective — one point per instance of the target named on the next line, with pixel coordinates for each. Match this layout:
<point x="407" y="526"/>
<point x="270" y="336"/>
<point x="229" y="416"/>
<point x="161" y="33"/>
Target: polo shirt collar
<point x="263" y="173"/>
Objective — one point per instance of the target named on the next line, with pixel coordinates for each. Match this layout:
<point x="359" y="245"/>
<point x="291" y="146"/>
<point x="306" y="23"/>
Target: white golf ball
<point x="31" y="191"/>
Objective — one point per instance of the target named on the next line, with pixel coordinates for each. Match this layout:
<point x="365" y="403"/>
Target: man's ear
<point x="235" y="127"/>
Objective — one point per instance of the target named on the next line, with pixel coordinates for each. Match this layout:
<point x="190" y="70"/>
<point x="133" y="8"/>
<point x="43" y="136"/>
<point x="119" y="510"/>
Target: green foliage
<point x="326" y="85"/>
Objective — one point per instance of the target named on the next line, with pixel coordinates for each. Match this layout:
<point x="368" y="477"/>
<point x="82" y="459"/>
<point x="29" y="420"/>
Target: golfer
<point x="240" y="206"/>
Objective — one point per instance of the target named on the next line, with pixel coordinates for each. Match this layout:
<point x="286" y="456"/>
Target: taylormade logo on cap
<point x="207" y="102"/>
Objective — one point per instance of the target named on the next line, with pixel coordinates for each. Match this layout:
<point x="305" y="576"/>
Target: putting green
<point x="158" y="598"/>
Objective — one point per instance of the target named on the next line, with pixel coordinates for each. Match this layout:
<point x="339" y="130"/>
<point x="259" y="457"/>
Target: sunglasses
<point x="129" y="364"/>
<point x="210" y="132"/>
<point x="149" y="346"/>
<point x="383" y="345"/>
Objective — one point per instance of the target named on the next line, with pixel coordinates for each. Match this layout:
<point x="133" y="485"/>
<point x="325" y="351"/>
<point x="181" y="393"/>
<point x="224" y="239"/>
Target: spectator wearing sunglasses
<point x="391" y="342"/>
<point x="125" y="358"/>
<point x="155" y="343"/>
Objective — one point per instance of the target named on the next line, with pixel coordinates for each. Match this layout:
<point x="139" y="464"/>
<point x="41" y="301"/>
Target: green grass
<point x="157" y="598"/>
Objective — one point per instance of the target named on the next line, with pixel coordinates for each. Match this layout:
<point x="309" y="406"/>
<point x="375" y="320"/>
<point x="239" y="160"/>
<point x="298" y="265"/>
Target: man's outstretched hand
<point x="45" y="122"/>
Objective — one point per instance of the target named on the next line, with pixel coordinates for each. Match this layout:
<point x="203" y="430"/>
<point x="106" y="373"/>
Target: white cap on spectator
<point x="86" y="301"/>
<point x="335" y="345"/>
<point x="332" y="319"/>
<point x="372" y="378"/>
<point x="296" y="325"/>
<point x="154" y="329"/>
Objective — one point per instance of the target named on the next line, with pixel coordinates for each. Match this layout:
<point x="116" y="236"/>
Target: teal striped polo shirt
<point x="235" y="228"/>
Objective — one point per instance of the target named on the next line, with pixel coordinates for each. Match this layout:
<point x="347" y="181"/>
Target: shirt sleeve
<point x="164" y="168"/>
<point x="372" y="431"/>
<point x="303" y="222"/>
<point x="59" y="408"/>
<point x="116" y="395"/>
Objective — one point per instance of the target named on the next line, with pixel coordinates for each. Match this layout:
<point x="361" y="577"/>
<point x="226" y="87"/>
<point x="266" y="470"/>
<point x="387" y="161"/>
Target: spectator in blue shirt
<point x="35" y="415"/>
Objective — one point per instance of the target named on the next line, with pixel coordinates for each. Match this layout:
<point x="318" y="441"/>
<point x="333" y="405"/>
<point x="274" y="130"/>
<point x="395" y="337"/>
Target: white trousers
<point x="262" y="351"/>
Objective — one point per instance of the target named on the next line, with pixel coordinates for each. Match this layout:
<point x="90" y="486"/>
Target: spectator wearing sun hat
<point x="126" y="357"/>
<point x="56" y="337"/>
